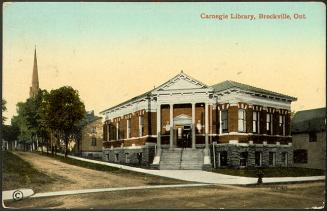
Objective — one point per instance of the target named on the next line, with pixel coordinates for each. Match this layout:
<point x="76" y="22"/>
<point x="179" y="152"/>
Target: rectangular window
<point x="126" y="158"/>
<point x="243" y="159"/>
<point x="128" y="128"/>
<point x="255" y="122"/>
<point x="117" y="131"/>
<point x="258" y="158"/>
<point x="300" y="156"/>
<point x="116" y="157"/>
<point x="108" y="132"/>
<point x="284" y="158"/>
<point x="141" y="128"/>
<point x="223" y="158"/>
<point x="272" y="158"/>
<point x="312" y="137"/>
<point x="269" y="124"/>
<point x="241" y="120"/>
<point x="224" y="121"/>
<point x="139" y="157"/>
<point x="93" y="141"/>
<point x="282" y="124"/>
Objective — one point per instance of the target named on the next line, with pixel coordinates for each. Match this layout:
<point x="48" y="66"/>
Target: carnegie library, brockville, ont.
<point x="186" y="124"/>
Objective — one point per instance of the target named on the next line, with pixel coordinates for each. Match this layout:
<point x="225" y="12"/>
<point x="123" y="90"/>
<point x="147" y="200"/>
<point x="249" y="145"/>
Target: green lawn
<point x="17" y="173"/>
<point x="114" y="170"/>
<point x="272" y="172"/>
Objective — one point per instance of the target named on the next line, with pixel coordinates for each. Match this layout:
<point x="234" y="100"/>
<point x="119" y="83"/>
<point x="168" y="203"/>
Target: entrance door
<point x="184" y="139"/>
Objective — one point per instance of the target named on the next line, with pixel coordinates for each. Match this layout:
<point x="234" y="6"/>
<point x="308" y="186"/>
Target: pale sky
<point x="111" y="52"/>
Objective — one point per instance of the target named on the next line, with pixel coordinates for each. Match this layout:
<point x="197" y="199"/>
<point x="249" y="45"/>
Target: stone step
<point x="181" y="159"/>
<point x="192" y="166"/>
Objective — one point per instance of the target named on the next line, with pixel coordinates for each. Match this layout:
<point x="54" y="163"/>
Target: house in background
<point x="309" y="138"/>
<point x="91" y="141"/>
<point x="175" y="125"/>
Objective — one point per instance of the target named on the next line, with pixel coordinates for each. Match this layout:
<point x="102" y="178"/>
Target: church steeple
<point x="35" y="78"/>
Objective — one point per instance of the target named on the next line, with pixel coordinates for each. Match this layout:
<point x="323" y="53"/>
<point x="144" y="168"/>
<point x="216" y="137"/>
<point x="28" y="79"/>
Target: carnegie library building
<point x="186" y="124"/>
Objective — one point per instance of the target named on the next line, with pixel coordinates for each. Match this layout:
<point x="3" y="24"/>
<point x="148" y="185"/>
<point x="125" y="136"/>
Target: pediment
<point x="182" y="81"/>
<point x="182" y="119"/>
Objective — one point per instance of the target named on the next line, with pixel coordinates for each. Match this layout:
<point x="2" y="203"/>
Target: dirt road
<point x="70" y="177"/>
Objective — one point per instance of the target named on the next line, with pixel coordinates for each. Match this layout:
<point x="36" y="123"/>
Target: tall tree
<point x="10" y="132"/>
<point x="36" y="121"/>
<point x="64" y="112"/>
<point x="3" y="108"/>
<point x="20" y="120"/>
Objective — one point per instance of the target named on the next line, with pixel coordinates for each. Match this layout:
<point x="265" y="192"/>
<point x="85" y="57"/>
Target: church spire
<point x="35" y="78"/>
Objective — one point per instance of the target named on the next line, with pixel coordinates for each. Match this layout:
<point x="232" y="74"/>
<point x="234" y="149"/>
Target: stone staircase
<point x="185" y="159"/>
<point x="170" y="159"/>
<point x="192" y="159"/>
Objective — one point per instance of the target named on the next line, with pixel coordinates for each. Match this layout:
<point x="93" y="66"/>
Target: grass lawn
<point x="17" y="173"/>
<point x="118" y="171"/>
<point x="272" y="172"/>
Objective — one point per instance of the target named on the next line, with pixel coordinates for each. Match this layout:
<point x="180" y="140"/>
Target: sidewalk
<point x="28" y="193"/>
<point x="203" y="176"/>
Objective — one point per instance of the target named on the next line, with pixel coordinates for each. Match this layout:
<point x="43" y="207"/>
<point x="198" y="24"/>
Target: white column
<point x="206" y="160"/>
<point x="158" y="126"/>
<point x="171" y="121"/>
<point x="117" y="131"/>
<point x="210" y="122"/>
<point x="108" y="131"/>
<point x="156" y="160"/>
<point x="193" y="125"/>
<point x="206" y="126"/>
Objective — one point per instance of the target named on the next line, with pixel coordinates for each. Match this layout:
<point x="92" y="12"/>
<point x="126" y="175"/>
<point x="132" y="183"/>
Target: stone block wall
<point x="118" y="155"/>
<point x="234" y="151"/>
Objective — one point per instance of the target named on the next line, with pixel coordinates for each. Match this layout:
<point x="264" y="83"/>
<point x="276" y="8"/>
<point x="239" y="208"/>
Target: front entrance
<point x="184" y="139"/>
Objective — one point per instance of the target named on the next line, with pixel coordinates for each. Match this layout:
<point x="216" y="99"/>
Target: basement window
<point x="126" y="158"/>
<point x="243" y="159"/>
<point x="116" y="157"/>
<point x="258" y="158"/>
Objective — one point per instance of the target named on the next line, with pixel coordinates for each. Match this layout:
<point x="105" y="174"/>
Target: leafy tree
<point x="20" y="120"/>
<point x="4" y="108"/>
<point x="10" y="132"/>
<point x="35" y="117"/>
<point x="63" y="113"/>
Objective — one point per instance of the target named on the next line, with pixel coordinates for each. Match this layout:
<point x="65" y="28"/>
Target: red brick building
<point x="187" y="124"/>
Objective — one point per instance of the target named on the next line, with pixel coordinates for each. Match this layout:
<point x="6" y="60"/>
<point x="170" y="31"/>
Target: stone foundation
<point x="97" y="154"/>
<point x="130" y="155"/>
<point x="234" y="153"/>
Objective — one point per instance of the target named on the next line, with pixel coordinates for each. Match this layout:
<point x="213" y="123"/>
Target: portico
<point x="180" y="120"/>
<point x="182" y="108"/>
